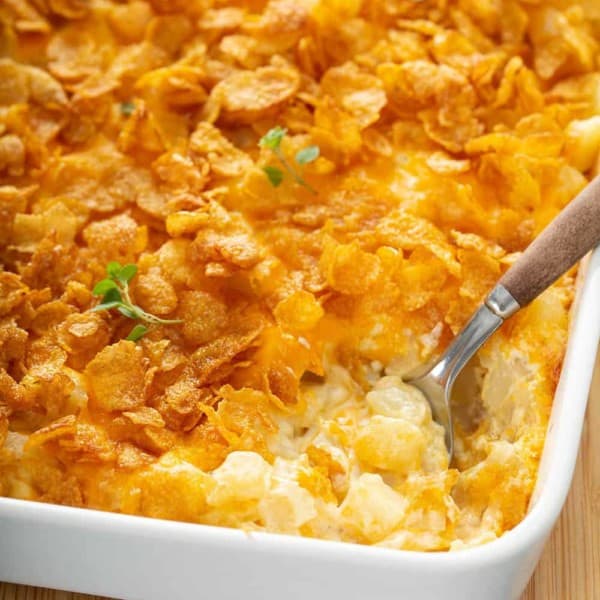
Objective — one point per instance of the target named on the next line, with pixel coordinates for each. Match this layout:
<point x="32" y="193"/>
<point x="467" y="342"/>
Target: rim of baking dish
<point x="554" y="476"/>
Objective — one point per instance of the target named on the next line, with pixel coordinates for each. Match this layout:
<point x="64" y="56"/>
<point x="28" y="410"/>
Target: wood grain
<point x="25" y="592"/>
<point x="570" y="565"/>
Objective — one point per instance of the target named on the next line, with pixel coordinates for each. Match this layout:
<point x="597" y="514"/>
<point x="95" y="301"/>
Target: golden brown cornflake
<point x="130" y="457"/>
<point x="280" y="25"/>
<point x="129" y="20"/>
<point x="12" y="395"/>
<point x="299" y="311"/>
<point x="145" y="416"/>
<point x="481" y="273"/>
<point x="154" y="293"/>
<point x="51" y="265"/>
<point x="30" y="229"/>
<point x="75" y="52"/>
<point x="16" y="92"/>
<point x="49" y="315"/>
<point x="130" y="238"/>
<point x="422" y="277"/>
<point x="12" y="292"/>
<point x="416" y="84"/>
<point x="445" y="165"/>
<point x="12" y="155"/>
<point x="179" y="172"/>
<point x="471" y="241"/>
<point x="336" y="131"/>
<point x="359" y="94"/>
<point x="13" y="344"/>
<point x="230" y="243"/>
<point x="27" y="18"/>
<point x="83" y="335"/>
<point x="3" y="430"/>
<point x="403" y="230"/>
<point x="179" y="85"/>
<point x="348" y="269"/>
<point x="13" y="200"/>
<point x="88" y="444"/>
<point x="115" y="378"/>
<point x="65" y="426"/>
<point x="44" y="89"/>
<point x="207" y="360"/>
<point x="220" y="20"/>
<point x="245" y="96"/>
<point x="557" y="40"/>
<point x="245" y="412"/>
<point x="69" y="9"/>
<point x="181" y="405"/>
<point x="204" y="316"/>
<point x="224" y="158"/>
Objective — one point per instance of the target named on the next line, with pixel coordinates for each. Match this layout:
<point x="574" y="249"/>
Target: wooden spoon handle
<point x="573" y="233"/>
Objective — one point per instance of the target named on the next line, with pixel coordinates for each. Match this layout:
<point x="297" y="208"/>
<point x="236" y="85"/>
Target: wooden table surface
<point x="570" y="566"/>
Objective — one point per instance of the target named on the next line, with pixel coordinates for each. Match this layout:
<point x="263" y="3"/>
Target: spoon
<point x="573" y="233"/>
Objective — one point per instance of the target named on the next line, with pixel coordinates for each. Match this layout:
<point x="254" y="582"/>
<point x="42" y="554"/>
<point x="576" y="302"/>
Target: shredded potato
<point x="292" y="280"/>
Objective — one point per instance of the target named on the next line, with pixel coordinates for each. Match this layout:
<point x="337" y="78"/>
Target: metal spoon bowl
<point x="573" y="233"/>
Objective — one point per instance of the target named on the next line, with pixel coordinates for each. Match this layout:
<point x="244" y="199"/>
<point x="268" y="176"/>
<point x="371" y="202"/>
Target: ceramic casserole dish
<point x="135" y="557"/>
<point x="229" y="230"/>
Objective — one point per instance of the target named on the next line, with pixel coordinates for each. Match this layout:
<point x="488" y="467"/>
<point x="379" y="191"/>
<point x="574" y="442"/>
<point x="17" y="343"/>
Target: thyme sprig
<point x="114" y="291"/>
<point x="272" y="140"/>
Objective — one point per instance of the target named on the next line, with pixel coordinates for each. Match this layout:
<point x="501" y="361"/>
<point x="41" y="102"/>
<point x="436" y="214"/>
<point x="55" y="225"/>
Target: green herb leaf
<point x="127" y="273"/>
<point x="127" y="108"/>
<point x="104" y="286"/>
<point x="115" y="294"/>
<point x="113" y="268"/>
<point x="112" y="295"/>
<point x="272" y="139"/>
<point x="307" y="155"/>
<point x="137" y="332"/>
<point x="274" y="174"/>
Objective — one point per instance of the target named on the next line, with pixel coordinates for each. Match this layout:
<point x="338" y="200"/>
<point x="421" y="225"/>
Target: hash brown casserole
<point x="316" y="195"/>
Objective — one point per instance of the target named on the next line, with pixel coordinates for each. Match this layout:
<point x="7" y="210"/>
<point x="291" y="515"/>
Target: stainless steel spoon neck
<point x="436" y="382"/>
<point x="501" y="302"/>
<point x="498" y="306"/>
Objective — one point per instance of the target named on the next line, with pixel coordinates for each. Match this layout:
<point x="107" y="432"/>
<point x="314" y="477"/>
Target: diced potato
<point x="583" y="143"/>
<point x="243" y="476"/>
<point x="372" y="508"/>
<point x="394" y="398"/>
<point x="390" y="444"/>
<point x="173" y="489"/>
<point x="287" y="507"/>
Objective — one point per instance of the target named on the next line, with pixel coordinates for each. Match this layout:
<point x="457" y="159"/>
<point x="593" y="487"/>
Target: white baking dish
<point x="136" y="557"/>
